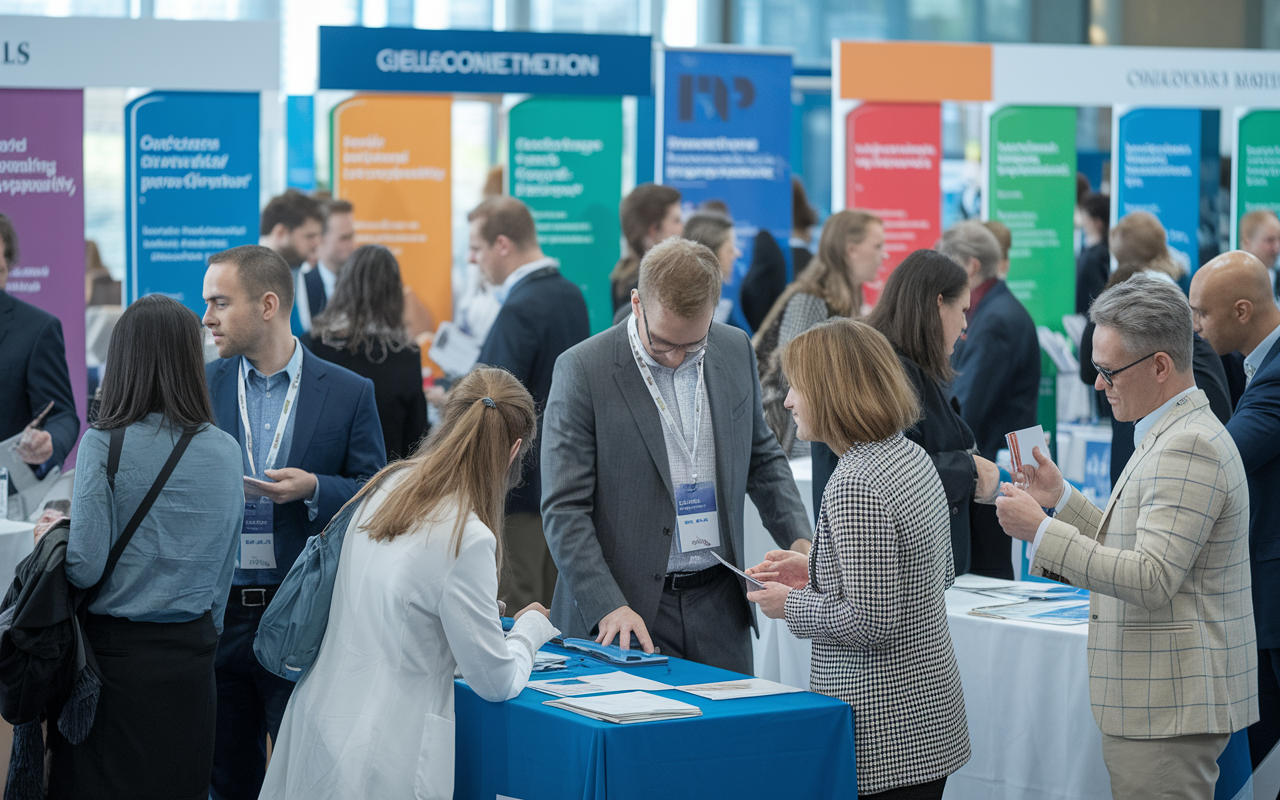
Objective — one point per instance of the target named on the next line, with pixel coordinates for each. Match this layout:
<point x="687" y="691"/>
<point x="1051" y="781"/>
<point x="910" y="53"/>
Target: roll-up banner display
<point x="566" y="165"/>
<point x="1256" y="182"/>
<point x="391" y="160"/>
<point x="1031" y="188"/>
<point x="893" y="170"/>
<point x="724" y="133"/>
<point x="300" y="142"/>
<point x="42" y="193"/>
<point x="191" y="188"/>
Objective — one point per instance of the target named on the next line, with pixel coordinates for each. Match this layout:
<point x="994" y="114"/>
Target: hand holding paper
<point x="772" y="599"/>
<point x="784" y="566"/>
<point x="1043" y="481"/>
<point x="1019" y="513"/>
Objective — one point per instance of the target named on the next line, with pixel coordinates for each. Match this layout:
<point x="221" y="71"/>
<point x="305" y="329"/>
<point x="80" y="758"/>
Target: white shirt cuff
<point x="1044" y="524"/>
<point x="1066" y="497"/>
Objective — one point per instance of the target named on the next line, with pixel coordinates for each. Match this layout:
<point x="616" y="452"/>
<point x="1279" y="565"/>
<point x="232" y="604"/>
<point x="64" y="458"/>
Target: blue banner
<point x="725" y="134"/>
<point x="191" y="187"/>
<point x="300" y="141"/>
<point x="1159" y="172"/>
<point x="411" y="60"/>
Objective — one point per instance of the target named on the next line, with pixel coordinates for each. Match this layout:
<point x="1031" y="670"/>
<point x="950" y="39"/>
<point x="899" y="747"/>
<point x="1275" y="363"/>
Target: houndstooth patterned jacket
<point x="1171" y="640"/>
<point x="875" y="610"/>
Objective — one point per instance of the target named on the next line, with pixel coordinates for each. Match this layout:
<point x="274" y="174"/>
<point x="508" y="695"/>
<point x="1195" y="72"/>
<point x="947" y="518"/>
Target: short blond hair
<point x="681" y="276"/>
<point x="1255" y="219"/>
<point x="854" y="387"/>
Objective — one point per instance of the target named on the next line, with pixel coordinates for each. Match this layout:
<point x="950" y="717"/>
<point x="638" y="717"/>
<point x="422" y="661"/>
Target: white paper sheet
<point x="733" y="690"/>
<point x="596" y="684"/>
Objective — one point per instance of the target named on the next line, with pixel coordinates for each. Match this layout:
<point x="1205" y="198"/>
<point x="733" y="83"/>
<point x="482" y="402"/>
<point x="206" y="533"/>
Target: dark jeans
<point x="251" y="702"/>
<point x="921" y="791"/>
<point x="1264" y="733"/>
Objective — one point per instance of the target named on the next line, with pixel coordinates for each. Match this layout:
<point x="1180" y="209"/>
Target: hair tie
<point x="488" y="401"/>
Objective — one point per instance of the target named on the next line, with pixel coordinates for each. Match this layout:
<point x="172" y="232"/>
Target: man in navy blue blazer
<point x="997" y="384"/>
<point x="33" y="371"/>
<point x="1232" y="308"/>
<point x="543" y="314"/>
<point x="309" y="438"/>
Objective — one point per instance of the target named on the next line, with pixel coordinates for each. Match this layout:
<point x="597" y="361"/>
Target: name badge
<point x="697" y="522"/>
<point x="257" y="536"/>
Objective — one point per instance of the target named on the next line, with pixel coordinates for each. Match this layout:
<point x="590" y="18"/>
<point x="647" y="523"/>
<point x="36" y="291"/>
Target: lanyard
<point x="645" y="373"/>
<point x="289" y="398"/>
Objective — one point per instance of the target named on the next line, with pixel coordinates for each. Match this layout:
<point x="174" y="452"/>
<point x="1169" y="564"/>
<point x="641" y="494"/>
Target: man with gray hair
<point x="1172" y="658"/>
<point x="997" y="384"/>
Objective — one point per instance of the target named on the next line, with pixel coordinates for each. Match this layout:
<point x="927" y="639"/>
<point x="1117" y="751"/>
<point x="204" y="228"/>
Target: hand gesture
<point x="1042" y="481"/>
<point x="784" y="566"/>
<point x="289" y="484"/>
<point x="622" y="622"/>
<point x="1019" y="513"/>
<point x="988" y="480"/>
<point x="772" y="599"/>
<point x="35" y="447"/>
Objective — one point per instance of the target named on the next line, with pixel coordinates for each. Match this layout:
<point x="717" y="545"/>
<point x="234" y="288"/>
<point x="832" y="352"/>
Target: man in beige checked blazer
<point x="1172" y="661"/>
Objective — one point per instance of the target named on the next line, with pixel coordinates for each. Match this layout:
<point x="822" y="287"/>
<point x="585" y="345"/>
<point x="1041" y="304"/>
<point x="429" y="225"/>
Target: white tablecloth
<point x="1026" y="691"/>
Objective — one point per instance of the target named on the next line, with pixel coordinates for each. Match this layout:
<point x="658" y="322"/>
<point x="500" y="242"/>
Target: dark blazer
<point x="336" y="436"/>
<point x="33" y="371"/>
<point x="316" y="298"/>
<point x="765" y="280"/>
<point x="1255" y="427"/>
<point x="397" y="390"/>
<point x="1093" y="268"/>
<point x="947" y="439"/>
<point x="543" y="316"/>
<point x="607" y="506"/>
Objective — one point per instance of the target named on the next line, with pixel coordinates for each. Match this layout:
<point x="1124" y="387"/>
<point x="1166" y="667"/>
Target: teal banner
<point x="1257" y="184"/>
<point x="565" y="158"/>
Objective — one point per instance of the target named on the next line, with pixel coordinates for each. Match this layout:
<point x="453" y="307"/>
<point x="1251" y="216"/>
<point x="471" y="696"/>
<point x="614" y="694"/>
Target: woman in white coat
<point x="415" y="598"/>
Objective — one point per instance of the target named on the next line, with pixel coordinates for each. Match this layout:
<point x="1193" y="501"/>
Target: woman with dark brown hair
<point x="650" y="214"/>
<point x="416" y="598"/>
<point x="155" y="620"/>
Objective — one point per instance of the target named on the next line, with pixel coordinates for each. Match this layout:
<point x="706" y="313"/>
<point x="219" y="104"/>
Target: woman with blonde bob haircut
<point x="416" y="598"/>
<point x="870" y="595"/>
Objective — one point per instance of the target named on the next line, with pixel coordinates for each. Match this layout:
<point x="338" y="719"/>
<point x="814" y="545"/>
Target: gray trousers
<point x="710" y="625"/>
<point x="1175" y="768"/>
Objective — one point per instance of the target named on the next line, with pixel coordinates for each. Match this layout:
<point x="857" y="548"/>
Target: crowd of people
<point x="593" y="484"/>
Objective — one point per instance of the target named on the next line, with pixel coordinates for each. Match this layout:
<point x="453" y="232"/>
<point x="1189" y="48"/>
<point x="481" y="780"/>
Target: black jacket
<point x="33" y="371"/>
<point x="543" y="316"/>
<point x="1093" y="268"/>
<point x="765" y="280"/>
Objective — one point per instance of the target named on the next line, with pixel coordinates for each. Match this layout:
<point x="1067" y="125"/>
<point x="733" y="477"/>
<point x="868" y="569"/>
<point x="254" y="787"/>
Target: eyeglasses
<point x="662" y="347"/>
<point x="1109" y="375"/>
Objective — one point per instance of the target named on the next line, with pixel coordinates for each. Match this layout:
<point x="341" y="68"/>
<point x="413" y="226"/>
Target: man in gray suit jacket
<point x="653" y="436"/>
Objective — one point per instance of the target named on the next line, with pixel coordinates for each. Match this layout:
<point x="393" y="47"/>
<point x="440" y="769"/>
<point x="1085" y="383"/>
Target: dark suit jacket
<point x="946" y="438"/>
<point x="336" y="436"/>
<point x="33" y="371"/>
<point x="1093" y="268"/>
<point x="544" y="315"/>
<point x="1255" y="427"/>
<point x="316" y="298"/>
<point x="765" y="279"/>
<point x="607" y="506"/>
<point x="397" y="389"/>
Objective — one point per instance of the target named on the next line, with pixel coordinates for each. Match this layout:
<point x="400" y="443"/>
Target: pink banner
<point x="42" y="191"/>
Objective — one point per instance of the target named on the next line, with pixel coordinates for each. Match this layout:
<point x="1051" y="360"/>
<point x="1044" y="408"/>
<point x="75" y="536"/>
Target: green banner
<point x="1032" y="189"/>
<point x="565" y="162"/>
<point x="1258" y="166"/>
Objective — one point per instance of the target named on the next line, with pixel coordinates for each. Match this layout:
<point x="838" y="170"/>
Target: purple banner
<point x="42" y="191"/>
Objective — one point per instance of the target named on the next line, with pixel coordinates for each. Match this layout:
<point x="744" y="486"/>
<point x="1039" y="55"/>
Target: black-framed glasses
<point x="661" y="347"/>
<point x="1109" y="375"/>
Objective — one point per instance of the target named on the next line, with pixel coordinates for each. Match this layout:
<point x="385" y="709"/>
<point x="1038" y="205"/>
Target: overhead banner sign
<point x="724" y="133"/>
<point x="1256" y="183"/>
<point x="191" y="188"/>
<point x="75" y="52"/>
<point x="414" y="60"/>
<point x="565" y="157"/>
<point x="391" y="160"/>
<point x="893" y="159"/>
<point x="42" y="193"/>
<point x="1031" y="188"/>
<point x="1157" y="169"/>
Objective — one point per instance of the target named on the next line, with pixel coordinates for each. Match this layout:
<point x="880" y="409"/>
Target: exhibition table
<point x="754" y="747"/>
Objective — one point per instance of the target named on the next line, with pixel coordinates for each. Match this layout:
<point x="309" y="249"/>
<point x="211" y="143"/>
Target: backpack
<point x="292" y="628"/>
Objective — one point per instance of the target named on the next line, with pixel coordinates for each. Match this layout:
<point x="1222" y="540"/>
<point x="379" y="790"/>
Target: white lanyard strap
<point x="647" y="374"/>
<point x="289" y="398"/>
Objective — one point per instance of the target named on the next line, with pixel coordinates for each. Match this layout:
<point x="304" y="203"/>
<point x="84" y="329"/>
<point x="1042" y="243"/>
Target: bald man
<point x="1232" y="309"/>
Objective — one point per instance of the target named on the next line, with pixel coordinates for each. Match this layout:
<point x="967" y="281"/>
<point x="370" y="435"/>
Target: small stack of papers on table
<point x="548" y="662"/>
<point x="626" y="708"/>
<point x="734" y="690"/>
<point x="597" y="684"/>
<point x="1041" y="611"/>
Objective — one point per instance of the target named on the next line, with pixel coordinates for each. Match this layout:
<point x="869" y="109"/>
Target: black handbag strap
<point x="113" y="464"/>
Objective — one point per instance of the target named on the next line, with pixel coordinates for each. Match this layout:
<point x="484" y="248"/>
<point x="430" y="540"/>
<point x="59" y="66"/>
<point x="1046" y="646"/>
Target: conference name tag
<point x="697" y="522"/>
<point x="257" y="535"/>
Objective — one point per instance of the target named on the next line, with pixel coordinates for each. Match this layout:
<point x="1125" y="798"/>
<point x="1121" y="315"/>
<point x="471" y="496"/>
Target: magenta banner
<point x="42" y="191"/>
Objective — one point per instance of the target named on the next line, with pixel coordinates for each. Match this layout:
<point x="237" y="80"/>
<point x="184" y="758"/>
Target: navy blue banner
<point x="191" y="188"/>
<point x="412" y="60"/>
<point x="726" y="135"/>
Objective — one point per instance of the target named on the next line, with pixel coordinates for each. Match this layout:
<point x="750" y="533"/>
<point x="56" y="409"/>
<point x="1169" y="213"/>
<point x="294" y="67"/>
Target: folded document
<point x="626" y="708"/>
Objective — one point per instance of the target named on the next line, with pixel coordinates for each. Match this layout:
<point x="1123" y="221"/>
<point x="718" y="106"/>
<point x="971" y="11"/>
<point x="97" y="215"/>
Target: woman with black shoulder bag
<point x="155" y="615"/>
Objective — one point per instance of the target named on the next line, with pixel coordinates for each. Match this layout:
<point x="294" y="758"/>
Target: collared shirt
<point x="1140" y="430"/>
<point x="329" y="278"/>
<point x="501" y="291"/>
<point x="264" y="400"/>
<point x="679" y="388"/>
<point x="1253" y="361"/>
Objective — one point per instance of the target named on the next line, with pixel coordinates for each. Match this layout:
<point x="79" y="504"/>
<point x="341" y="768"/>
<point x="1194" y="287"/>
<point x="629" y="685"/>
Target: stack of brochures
<point x="737" y="689"/>
<point x="627" y="708"/>
<point x="1043" y="612"/>
<point x="597" y="684"/>
<point x="548" y="662"/>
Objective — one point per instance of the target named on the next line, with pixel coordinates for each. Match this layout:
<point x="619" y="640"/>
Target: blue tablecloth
<point x="792" y="745"/>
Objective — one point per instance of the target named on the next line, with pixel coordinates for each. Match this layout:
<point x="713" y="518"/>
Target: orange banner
<point x="391" y="160"/>
<point x="914" y="72"/>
